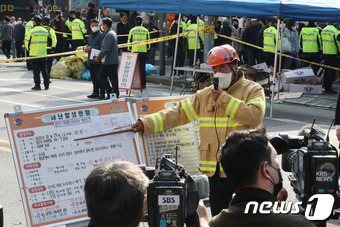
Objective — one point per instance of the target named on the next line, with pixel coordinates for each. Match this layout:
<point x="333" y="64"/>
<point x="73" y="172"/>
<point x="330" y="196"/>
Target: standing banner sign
<point x="53" y="155"/>
<point x="129" y="73"/>
<point x="187" y="137"/>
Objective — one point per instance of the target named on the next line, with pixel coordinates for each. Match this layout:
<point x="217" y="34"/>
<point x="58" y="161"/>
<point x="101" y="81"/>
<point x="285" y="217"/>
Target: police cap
<point x="72" y="12"/>
<point x="46" y="19"/>
<point x="77" y="13"/>
<point x="139" y="19"/>
<point x="37" y="19"/>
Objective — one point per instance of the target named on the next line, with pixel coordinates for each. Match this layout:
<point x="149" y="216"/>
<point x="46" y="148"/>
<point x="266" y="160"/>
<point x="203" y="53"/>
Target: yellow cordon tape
<point x="65" y="33"/>
<point x="44" y="56"/>
<point x="156" y="40"/>
<point x="285" y="55"/>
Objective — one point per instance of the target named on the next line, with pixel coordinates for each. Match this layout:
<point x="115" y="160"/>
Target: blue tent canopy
<point x="322" y="10"/>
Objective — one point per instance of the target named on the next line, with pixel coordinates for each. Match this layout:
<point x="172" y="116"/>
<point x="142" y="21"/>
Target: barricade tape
<point x="284" y="55"/>
<point x="156" y="40"/>
<point x="44" y="56"/>
<point x="65" y="33"/>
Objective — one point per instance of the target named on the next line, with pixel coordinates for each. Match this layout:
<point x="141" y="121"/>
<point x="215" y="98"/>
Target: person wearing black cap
<point x="139" y="33"/>
<point x="78" y="31"/>
<point x="68" y="38"/>
<point x="28" y="27"/>
<point x="36" y="43"/>
<point x="153" y="30"/>
<point x="52" y="42"/>
<point x="58" y="25"/>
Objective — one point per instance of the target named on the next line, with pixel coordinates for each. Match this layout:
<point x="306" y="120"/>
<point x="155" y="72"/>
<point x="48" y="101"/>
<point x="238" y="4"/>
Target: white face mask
<point x="94" y="29"/>
<point x="19" y="22"/>
<point x="224" y="79"/>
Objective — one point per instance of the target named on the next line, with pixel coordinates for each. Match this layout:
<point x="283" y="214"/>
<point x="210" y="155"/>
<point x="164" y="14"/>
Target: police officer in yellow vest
<point x="191" y="41"/>
<point x="330" y="53"/>
<point x="78" y="31"/>
<point x="139" y="33"/>
<point x="238" y="104"/>
<point x="28" y="27"/>
<point x="310" y="44"/>
<point x="36" y="43"/>
<point x="269" y="42"/>
<point x="68" y="27"/>
<point x="52" y="42"/>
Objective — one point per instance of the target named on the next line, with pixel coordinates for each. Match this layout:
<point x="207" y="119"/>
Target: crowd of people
<point x="314" y="42"/>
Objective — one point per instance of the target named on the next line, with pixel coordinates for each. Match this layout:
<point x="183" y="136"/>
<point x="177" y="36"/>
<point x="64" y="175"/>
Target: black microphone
<point x="216" y="82"/>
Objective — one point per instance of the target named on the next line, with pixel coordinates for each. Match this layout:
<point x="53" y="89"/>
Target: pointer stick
<point x="106" y="134"/>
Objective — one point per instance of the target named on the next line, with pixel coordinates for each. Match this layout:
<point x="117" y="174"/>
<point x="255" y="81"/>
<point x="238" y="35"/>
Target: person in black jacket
<point x="19" y="37"/>
<point x="337" y="117"/>
<point x="154" y="33"/>
<point x="123" y="29"/>
<point x="226" y="31"/>
<point x="95" y="42"/>
<point x="250" y="36"/>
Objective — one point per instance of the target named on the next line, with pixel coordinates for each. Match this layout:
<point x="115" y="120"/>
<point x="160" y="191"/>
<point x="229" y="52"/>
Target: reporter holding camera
<point x="249" y="161"/>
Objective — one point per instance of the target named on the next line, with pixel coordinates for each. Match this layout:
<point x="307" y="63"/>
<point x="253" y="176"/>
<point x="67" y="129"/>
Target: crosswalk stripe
<point x="5" y="149"/>
<point x="4" y="141"/>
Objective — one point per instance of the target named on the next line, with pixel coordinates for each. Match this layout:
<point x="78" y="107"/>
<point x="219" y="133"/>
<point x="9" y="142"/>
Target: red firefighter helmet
<point x="222" y="55"/>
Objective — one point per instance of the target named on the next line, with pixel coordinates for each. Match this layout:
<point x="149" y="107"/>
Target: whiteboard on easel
<point x="129" y="73"/>
<point x="52" y="164"/>
<point x="187" y="136"/>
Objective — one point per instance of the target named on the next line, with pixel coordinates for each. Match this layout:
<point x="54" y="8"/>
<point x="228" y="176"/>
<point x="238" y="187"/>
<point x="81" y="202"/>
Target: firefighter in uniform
<point x="78" y="31"/>
<point x="310" y="43"/>
<point x="51" y="44"/>
<point x="28" y="27"/>
<point x="36" y="43"/>
<point x="238" y="104"/>
<point x="139" y="33"/>
<point x="330" y="52"/>
<point x="269" y="43"/>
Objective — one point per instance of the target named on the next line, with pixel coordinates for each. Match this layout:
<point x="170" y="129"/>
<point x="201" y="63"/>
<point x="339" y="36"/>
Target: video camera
<point x="313" y="161"/>
<point x="173" y="195"/>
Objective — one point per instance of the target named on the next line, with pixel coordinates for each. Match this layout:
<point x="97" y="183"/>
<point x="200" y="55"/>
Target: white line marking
<point x="294" y="121"/>
<point x="4" y="141"/>
<point x="22" y="104"/>
<point x="4" y="89"/>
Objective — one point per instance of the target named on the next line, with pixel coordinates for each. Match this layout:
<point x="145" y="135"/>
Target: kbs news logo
<point x="319" y="207"/>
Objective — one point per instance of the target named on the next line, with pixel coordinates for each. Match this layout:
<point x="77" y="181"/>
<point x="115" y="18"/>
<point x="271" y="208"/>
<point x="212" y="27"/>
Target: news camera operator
<point x="116" y="193"/>
<point x="249" y="161"/>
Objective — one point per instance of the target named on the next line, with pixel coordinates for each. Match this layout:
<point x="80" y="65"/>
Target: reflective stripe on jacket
<point x="329" y="35"/>
<point x="139" y="33"/>
<point x="269" y="39"/>
<point x="52" y="40"/>
<point x="310" y="40"/>
<point x="78" y="29"/>
<point x="241" y="107"/>
<point x="36" y="41"/>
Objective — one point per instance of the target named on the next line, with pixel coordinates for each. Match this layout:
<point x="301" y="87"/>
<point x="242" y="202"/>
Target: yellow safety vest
<point x="310" y="40"/>
<point x="52" y="40"/>
<point x="36" y="41"/>
<point x="192" y="37"/>
<point x="269" y="39"/>
<point x="329" y="43"/>
<point x="139" y="33"/>
<point x="78" y="29"/>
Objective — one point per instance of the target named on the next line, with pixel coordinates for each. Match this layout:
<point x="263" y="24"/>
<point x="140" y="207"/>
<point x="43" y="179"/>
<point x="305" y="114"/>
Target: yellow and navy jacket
<point x="240" y="107"/>
<point x="36" y="41"/>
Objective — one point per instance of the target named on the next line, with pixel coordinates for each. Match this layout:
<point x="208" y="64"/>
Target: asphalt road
<point x="15" y="89"/>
